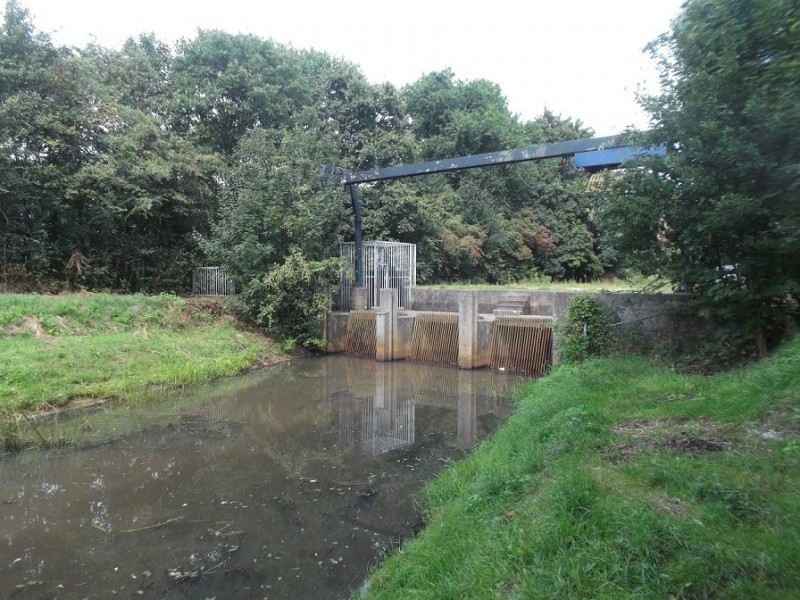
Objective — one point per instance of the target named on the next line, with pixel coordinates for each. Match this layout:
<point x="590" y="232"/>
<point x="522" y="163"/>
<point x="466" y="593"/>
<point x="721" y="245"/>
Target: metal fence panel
<point x="386" y="265"/>
<point x="211" y="281"/>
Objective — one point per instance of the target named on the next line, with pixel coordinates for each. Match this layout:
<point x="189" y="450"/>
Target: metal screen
<point x="211" y="281"/>
<point x="386" y="265"/>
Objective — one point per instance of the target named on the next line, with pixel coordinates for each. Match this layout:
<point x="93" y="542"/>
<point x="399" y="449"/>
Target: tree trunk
<point x="761" y="342"/>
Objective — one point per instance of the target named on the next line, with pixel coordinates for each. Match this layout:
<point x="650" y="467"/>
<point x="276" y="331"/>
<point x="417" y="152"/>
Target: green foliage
<point x="717" y="215"/>
<point x="586" y="332"/>
<point x="296" y="296"/>
<point x="618" y="479"/>
<point x="123" y="169"/>
<point x="54" y="349"/>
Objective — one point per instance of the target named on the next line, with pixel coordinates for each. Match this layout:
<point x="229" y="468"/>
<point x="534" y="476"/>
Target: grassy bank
<point x="58" y="349"/>
<point x="546" y="284"/>
<point x="618" y="479"/>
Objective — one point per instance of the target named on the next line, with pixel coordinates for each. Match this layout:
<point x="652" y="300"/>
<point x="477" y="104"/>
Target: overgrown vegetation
<point x="718" y="215"/>
<point x="58" y="349"/>
<point x="619" y="479"/>
<point x="296" y="297"/>
<point x="587" y="330"/>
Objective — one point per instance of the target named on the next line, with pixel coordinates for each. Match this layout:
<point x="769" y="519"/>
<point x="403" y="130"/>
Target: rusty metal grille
<point x="435" y="337"/>
<point x="359" y="336"/>
<point x="522" y="343"/>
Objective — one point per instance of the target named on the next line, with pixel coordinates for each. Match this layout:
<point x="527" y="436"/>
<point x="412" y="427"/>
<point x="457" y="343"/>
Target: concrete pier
<point x="467" y="329"/>
<point x="386" y="326"/>
<point x="359" y="298"/>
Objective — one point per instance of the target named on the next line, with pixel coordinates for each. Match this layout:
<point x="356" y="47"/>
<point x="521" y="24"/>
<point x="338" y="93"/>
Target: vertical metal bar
<point x="358" y="257"/>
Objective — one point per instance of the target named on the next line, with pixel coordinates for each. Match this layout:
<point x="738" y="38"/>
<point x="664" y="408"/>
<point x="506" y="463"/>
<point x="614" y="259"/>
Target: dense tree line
<point x="122" y="169"/>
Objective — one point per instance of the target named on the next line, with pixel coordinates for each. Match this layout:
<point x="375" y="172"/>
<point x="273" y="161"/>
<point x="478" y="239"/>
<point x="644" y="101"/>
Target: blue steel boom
<point x="594" y="153"/>
<point x="460" y="163"/>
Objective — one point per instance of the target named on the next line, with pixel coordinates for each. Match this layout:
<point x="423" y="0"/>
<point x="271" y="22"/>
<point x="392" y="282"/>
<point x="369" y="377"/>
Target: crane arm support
<point x="502" y="157"/>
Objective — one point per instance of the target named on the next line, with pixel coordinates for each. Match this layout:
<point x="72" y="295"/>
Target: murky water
<point x="285" y="484"/>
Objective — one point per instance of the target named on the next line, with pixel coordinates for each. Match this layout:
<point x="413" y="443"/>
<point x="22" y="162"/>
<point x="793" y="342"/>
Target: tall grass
<point x="618" y="479"/>
<point x="57" y="349"/>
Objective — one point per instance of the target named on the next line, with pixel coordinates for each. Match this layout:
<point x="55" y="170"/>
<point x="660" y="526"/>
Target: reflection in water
<point x="387" y="398"/>
<point x="288" y="486"/>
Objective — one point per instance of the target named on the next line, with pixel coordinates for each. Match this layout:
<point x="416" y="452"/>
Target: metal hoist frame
<point x="590" y="153"/>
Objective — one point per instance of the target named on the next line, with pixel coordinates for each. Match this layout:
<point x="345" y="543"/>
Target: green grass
<point x="619" y="479"/>
<point x="56" y="349"/>
<point x="546" y="284"/>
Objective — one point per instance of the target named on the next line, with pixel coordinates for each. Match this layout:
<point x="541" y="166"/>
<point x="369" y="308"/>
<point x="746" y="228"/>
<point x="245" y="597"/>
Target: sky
<point x="581" y="59"/>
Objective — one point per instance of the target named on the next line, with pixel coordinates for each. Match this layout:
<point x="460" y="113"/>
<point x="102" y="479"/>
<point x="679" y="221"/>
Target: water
<point x="289" y="483"/>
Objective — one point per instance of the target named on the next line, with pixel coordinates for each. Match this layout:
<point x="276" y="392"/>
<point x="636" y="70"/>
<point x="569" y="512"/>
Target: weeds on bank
<point x="54" y="349"/>
<point x="45" y="431"/>
<point x="617" y="479"/>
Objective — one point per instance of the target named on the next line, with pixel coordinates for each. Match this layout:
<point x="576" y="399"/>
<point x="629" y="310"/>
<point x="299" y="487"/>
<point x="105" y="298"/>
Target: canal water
<point x="287" y="483"/>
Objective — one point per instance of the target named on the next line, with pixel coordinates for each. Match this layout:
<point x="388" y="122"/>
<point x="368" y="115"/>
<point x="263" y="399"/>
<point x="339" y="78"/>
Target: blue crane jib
<point x="590" y="153"/>
<point x="610" y="158"/>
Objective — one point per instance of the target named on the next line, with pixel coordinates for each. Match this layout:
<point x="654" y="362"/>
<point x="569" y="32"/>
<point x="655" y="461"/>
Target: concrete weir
<point x="497" y="328"/>
<point x="464" y="337"/>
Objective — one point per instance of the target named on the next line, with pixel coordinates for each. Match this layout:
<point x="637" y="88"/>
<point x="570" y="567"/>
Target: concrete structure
<point x="386" y="325"/>
<point x="646" y="320"/>
<point x="467" y="329"/>
<point x="546" y="303"/>
<point x="359" y="298"/>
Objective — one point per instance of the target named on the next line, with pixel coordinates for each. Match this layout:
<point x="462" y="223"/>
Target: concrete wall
<point x="647" y="321"/>
<point x="661" y="322"/>
<point x="546" y="303"/>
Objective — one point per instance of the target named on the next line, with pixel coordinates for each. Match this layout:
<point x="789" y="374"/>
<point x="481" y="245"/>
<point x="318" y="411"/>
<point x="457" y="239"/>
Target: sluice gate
<point x="359" y="336"/>
<point x="435" y="337"/>
<point x="522" y="343"/>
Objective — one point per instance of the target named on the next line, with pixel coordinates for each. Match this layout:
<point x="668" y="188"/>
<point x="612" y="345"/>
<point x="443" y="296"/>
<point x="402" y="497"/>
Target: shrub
<point x="587" y="331"/>
<point x="295" y="297"/>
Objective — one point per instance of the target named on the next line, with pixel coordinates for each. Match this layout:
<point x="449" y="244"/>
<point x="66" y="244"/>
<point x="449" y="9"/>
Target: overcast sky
<point x="580" y="58"/>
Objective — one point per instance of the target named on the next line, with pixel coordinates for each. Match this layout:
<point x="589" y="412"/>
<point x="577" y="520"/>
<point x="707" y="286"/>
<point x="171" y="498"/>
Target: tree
<point x="130" y="213"/>
<point x="45" y="134"/>
<point x="271" y="205"/>
<point x="227" y="85"/>
<point x="718" y="215"/>
<point x="456" y="118"/>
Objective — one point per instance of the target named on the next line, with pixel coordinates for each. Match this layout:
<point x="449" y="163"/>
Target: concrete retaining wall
<point x="551" y="304"/>
<point x="646" y="321"/>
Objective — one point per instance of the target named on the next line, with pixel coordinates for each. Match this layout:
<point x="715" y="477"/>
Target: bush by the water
<point x="292" y="299"/>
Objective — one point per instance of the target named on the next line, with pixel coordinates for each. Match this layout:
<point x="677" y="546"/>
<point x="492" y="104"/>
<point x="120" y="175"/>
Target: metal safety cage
<point x="386" y="265"/>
